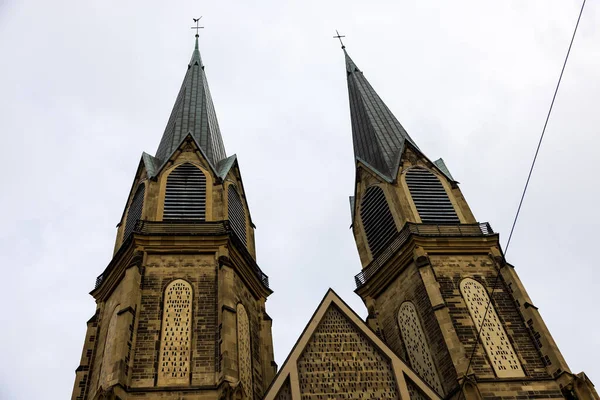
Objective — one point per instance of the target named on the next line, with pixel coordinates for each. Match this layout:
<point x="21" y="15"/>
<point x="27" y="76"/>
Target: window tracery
<point x="493" y="336"/>
<point x="176" y="335"/>
<point x="417" y="347"/>
<point x="244" y="350"/>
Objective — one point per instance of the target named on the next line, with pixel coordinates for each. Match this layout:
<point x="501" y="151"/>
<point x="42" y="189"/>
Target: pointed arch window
<point x="430" y="197"/>
<point x="417" y="347"/>
<point x="110" y="350"/>
<point x="237" y="214"/>
<point x="244" y="352"/>
<point x="176" y="335"/>
<point x="135" y="210"/>
<point x="493" y="336"/>
<point x="377" y="218"/>
<point x="185" y="197"/>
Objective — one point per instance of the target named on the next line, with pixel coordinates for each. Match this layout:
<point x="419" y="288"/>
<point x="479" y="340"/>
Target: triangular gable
<point x="442" y="166"/>
<point x="225" y="165"/>
<point x="142" y="166"/>
<point x="223" y="168"/>
<point x="189" y="138"/>
<point x="152" y="164"/>
<point x="337" y="353"/>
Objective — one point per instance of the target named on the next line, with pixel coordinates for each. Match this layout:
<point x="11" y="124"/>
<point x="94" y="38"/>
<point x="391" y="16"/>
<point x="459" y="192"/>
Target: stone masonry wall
<point x="449" y="271"/>
<point x="409" y="286"/>
<point x="252" y="306"/>
<point x="200" y="271"/>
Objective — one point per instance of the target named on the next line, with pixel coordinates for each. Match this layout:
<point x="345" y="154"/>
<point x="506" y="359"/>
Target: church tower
<point x="181" y="306"/>
<point x="430" y="269"/>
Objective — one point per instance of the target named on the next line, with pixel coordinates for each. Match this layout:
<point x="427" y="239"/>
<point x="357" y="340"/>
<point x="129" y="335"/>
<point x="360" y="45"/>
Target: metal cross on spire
<point x="338" y="36"/>
<point x="197" y="27"/>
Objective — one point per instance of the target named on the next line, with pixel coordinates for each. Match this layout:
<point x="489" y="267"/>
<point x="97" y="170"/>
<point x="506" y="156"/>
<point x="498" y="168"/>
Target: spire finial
<point x="338" y="36"/>
<point x="197" y="27"/>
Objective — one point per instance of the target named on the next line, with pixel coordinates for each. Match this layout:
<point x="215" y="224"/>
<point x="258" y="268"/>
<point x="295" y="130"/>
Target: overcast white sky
<point x="87" y="86"/>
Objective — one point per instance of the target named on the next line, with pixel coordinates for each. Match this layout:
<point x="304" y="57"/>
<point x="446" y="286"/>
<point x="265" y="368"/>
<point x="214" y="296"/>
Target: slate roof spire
<point x="193" y="113"/>
<point x="378" y="137"/>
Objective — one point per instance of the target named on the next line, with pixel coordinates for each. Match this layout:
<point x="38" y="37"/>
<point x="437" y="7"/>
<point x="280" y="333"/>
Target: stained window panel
<point x="493" y="336"/>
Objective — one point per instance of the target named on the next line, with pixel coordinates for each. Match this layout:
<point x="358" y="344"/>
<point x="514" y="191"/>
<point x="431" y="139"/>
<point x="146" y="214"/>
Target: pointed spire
<point x="193" y="113"/>
<point x="377" y="135"/>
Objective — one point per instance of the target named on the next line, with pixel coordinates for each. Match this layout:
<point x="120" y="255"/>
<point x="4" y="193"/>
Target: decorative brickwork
<point x="414" y="391"/>
<point x="416" y="345"/>
<point x="285" y="393"/>
<point x="493" y="336"/>
<point x="244" y="353"/>
<point x="340" y="360"/>
<point x="108" y="358"/>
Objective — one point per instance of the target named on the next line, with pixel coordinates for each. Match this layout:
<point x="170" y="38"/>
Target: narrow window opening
<point x="135" y="210"/>
<point x="377" y="219"/>
<point x="237" y="214"/>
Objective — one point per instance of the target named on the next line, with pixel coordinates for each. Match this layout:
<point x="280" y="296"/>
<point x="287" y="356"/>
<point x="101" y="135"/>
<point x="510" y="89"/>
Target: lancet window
<point x="237" y="214"/>
<point x="108" y="358"/>
<point x="416" y="345"/>
<point x="185" y="197"/>
<point x="493" y="336"/>
<point x="244" y="349"/>
<point x="176" y="335"/>
<point x="430" y="197"/>
<point x="377" y="218"/>
<point x="135" y="210"/>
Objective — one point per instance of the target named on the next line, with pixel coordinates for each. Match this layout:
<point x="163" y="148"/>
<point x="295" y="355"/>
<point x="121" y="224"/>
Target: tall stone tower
<point x="430" y="269"/>
<point x="181" y="307"/>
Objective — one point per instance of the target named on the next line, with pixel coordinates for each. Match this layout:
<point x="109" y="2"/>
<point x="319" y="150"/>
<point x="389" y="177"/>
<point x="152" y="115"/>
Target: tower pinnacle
<point x="193" y="113"/>
<point x="378" y="136"/>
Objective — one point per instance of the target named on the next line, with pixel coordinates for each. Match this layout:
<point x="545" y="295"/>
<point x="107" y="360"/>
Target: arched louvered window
<point x="185" y="197"/>
<point x="176" y="337"/>
<point x="237" y="215"/>
<point x="493" y="336"/>
<point x="244" y="350"/>
<point x="376" y="218"/>
<point x="430" y="197"/>
<point x="135" y="210"/>
<point x="417" y="346"/>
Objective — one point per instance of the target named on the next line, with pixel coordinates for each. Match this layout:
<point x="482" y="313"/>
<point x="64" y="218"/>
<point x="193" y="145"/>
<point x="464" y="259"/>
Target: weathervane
<point x="197" y="21"/>
<point x="340" y="38"/>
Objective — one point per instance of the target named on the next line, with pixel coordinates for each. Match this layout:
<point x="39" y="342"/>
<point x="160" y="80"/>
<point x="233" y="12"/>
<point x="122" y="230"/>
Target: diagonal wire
<point x="521" y="201"/>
